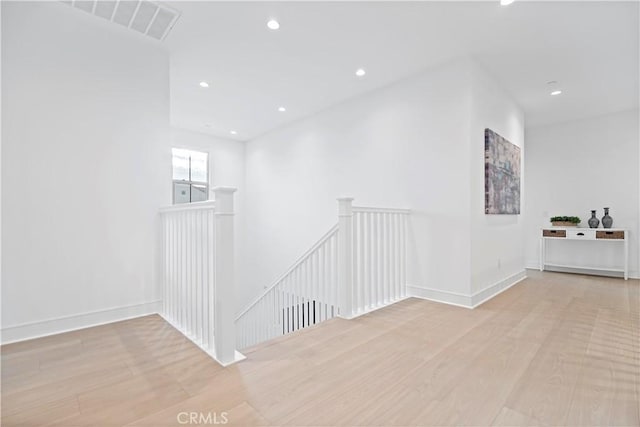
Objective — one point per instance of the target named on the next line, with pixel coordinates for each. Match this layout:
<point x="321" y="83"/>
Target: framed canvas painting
<point x="501" y="175"/>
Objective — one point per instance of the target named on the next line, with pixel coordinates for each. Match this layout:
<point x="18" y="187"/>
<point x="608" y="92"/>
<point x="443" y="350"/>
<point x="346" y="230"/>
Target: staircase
<point x="357" y="266"/>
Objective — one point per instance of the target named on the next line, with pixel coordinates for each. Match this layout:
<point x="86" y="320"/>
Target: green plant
<point x="572" y="219"/>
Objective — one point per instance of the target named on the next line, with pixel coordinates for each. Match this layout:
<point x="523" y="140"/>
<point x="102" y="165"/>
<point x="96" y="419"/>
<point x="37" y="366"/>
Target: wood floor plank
<point x="556" y="349"/>
<point x="30" y="399"/>
<point x="42" y="413"/>
<point x="545" y="391"/>
<point x="605" y="395"/>
<point x="509" y="418"/>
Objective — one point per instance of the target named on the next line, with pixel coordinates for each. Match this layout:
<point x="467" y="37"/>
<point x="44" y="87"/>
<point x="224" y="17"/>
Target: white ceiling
<point x="590" y="48"/>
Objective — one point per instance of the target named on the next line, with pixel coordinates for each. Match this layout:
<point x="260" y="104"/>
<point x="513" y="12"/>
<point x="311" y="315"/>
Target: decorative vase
<point x="593" y="221"/>
<point x="607" y="221"/>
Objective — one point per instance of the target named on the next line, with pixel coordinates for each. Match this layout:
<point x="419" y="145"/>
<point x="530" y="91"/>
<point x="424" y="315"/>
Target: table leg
<point x="542" y="241"/>
<point x="626" y="256"/>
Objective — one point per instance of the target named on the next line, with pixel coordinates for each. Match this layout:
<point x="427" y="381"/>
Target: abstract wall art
<point x="501" y="175"/>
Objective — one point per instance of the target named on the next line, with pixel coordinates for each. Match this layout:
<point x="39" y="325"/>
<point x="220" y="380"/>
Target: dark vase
<point x="593" y="221"/>
<point x="607" y="221"/>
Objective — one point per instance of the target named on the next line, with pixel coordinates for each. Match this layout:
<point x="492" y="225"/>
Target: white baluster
<point x="381" y="260"/>
<point x="180" y="282"/>
<point x="387" y="258"/>
<point x="199" y="287"/>
<point x="354" y="265"/>
<point x="309" y="299"/>
<point x="358" y="271"/>
<point x="304" y="267"/>
<point x="163" y="258"/>
<point x="366" y="253"/>
<point x="187" y="282"/>
<point x="174" y="268"/>
<point x="195" y="275"/>
<point x="403" y="248"/>
<point x="376" y="260"/>
<point x="192" y="278"/>
<point x="334" y="276"/>
<point x="314" y="285"/>
<point x="307" y="292"/>
<point x="185" y="273"/>
<point x="207" y="282"/>
<point x="290" y="302"/>
<point x="322" y="285"/>
<point x="395" y="260"/>
<point x="167" y="294"/>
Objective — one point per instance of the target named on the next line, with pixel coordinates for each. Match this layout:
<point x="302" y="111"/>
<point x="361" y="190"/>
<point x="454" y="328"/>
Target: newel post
<point x="345" y="256"/>
<point x="224" y="327"/>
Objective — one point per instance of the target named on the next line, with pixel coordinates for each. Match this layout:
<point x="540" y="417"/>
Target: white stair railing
<point x="303" y="296"/>
<point x="356" y="267"/>
<point x="197" y="273"/>
<point x="379" y="257"/>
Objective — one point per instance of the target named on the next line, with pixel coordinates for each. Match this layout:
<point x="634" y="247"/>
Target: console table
<point x="591" y="234"/>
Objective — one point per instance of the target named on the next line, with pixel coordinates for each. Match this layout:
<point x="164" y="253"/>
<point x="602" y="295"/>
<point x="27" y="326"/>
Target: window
<point x="190" y="176"/>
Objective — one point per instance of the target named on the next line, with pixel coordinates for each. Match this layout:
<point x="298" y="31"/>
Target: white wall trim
<point x="59" y="325"/>
<point x="532" y="265"/>
<point x="438" y="295"/>
<point x="491" y="291"/>
<point x="462" y="300"/>
<point x="372" y="309"/>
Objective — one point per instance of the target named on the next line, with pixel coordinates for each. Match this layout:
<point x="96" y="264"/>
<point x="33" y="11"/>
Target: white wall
<point x="405" y="145"/>
<point x="578" y="166"/>
<point x="497" y="241"/>
<point x="86" y="163"/>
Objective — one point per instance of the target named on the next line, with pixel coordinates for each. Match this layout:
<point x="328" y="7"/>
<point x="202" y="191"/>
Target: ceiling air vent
<point x="150" y="18"/>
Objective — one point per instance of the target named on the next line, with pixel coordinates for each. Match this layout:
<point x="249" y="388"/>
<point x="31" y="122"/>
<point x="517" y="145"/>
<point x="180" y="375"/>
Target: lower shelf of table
<point x="582" y="267"/>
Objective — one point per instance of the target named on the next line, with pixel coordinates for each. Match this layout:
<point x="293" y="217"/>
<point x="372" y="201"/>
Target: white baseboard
<point x="462" y="300"/>
<point x="372" y="309"/>
<point x="59" y="325"/>
<point x="438" y="295"/>
<point x="491" y="291"/>
<point x="532" y="265"/>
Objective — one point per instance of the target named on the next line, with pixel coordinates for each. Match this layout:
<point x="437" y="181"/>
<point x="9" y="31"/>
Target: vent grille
<point x="150" y="18"/>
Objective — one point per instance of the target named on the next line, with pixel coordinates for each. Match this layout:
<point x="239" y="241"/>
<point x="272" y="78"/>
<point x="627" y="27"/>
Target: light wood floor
<point x="556" y="349"/>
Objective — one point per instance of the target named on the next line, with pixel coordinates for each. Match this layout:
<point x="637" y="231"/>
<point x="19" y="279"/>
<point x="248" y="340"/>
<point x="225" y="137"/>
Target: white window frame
<point x="190" y="182"/>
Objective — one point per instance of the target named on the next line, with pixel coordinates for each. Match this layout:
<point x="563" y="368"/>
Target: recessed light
<point x="273" y="24"/>
<point x="360" y="72"/>
<point x="233" y="132"/>
<point x="207" y="125"/>
<point x="204" y="84"/>
<point x="506" y="2"/>
<point x="556" y="92"/>
<point x="282" y="109"/>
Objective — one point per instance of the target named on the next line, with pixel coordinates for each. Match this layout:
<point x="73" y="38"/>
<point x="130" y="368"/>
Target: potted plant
<point x="565" y="221"/>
